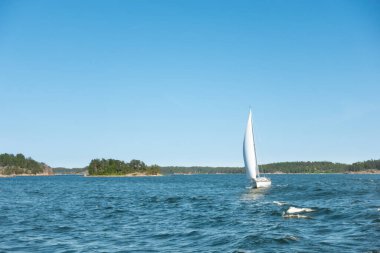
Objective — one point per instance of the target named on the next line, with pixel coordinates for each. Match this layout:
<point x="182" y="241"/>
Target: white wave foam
<point x="293" y="209"/>
<point x="291" y="237"/>
<point x="280" y="203"/>
<point x="298" y="216"/>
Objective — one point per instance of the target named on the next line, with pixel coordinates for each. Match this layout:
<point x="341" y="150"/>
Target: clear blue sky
<point x="170" y="82"/>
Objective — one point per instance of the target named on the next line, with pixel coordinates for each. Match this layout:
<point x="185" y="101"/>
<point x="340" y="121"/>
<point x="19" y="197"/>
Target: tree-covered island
<point x="112" y="167"/>
<point x="20" y="165"/>
<point x="12" y="165"/>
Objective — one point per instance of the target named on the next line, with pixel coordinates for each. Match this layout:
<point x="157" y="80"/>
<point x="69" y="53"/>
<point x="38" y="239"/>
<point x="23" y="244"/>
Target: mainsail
<point x="249" y="151"/>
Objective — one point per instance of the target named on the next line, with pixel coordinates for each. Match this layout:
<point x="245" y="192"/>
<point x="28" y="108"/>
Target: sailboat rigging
<point x="250" y="158"/>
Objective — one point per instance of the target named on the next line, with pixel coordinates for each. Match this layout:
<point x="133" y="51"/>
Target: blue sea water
<point x="198" y="213"/>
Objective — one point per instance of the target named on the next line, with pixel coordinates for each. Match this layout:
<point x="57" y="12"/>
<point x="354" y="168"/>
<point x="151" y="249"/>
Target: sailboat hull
<point x="261" y="182"/>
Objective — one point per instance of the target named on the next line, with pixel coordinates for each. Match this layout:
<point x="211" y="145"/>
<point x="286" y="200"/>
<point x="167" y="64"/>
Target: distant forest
<point x="64" y="171"/>
<point x="19" y="164"/>
<point x="201" y="170"/>
<point x="117" y="167"/>
<point x="282" y="167"/>
<point x="320" y="167"/>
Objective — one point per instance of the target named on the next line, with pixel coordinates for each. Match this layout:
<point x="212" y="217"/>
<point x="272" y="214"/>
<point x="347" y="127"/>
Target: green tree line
<point x="281" y="167"/>
<point x="117" y="167"/>
<point x="304" y="167"/>
<point x="201" y="170"/>
<point x="18" y="164"/>
<point x="366" y="165"/>
<point x="63" y="171"/>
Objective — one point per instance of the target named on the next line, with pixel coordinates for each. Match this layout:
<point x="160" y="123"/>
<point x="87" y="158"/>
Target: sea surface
<point x="197" y="213"/>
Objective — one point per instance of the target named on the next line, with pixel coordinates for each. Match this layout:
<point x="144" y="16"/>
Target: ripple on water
<point x="287" y="239"/>
<point x="200" y="213"/>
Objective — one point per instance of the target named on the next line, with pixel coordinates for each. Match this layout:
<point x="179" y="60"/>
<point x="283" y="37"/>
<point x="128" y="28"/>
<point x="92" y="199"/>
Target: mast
<point x="254" y="146"/>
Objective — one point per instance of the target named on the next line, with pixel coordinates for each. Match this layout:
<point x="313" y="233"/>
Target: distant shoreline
<point x="28" y="175"/>
<point x="18" y="165"/>
<point x="350" y="172"/>
<point x="374" y="172"/>
<point x="280" y="173"/>
<point x="127" y="175"/>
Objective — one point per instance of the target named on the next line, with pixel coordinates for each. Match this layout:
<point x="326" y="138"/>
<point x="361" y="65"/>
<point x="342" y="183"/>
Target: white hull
<point x="261" y="182"/>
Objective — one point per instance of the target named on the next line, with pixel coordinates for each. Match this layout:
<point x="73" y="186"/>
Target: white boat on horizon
<point x="250" y="158"/>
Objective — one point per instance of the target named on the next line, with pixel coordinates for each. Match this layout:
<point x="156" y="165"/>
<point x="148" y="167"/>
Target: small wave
<point x="173" y="200"/>
<point x="297" y="216"/>
<point x="280" y="203"/>
<point x="197" y="198"/>
<point x="163" y="235"/>
<point x="154" y="199"/>
<point x="291" y="238"/>
<point x="192" y="233"/>
<point x="63" y="228"/>
<point x="287" y="239"/>
<point x="293" y="210"/>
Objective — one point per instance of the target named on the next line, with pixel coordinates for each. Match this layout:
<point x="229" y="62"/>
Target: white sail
<point x="249" y="151"/>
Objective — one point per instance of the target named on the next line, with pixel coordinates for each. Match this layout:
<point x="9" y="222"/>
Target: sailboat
<point x="250" y="158"/>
